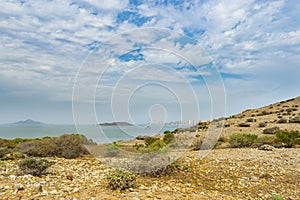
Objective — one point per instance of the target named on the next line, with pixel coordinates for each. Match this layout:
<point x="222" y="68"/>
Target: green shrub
<point x="290" y="138"/>
<point x="120" y="180"/>
<point x="158" y="144"/>
<point x="244" y="125"/>
<point x="64" y="146"/>
<point x="168" y="137"/>
<point x="112" y="150"/>
<point x="272" y="130"/>
<point x="242" y="140"/>
<point x="150" y="140"/>
<point x="262" y="124"/>
<point x="167" y="131"/>
<point x="33" y="166"/>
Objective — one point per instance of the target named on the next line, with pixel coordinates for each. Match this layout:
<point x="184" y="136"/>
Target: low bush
<point x="282" y="121"/>
<point x="168" y="137"/>
<point x="3" y="152"/>
<point x="197" y="145"/>
<point x="290" y="138"/>
<point x="65" y="146"/>
<point x="150" y="140"/>
<point x="244" y="125"/>
<point x="242" y="140"/>
<point x="251" y="120"/>
<point x="272" y="130"/>
<point x="262" y="124"/>
<point x="267" y="139"/>
<point x="112" y="150"/>
<point x="222" y="139"/>
<point x="169" y="169"/>
<point x="7" y="143"/>
<point x="121" y="180"/>
<point x="33" y="166"/>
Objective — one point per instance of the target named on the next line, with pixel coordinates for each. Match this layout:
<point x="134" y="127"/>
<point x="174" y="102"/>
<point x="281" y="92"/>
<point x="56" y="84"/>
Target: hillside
<point x="284" y="114"/>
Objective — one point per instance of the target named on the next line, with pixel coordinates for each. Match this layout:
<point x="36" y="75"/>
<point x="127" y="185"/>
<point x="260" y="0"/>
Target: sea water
<point x="99" y="134"/>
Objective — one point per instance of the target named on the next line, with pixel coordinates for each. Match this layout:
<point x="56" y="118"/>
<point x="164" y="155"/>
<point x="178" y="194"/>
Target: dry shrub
<point x="35" y="167"/>
<point x="65" y="146"/>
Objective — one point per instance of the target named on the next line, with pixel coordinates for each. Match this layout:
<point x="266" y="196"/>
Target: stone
<point x="266" y="147"/>
<point x="19" y="186"/>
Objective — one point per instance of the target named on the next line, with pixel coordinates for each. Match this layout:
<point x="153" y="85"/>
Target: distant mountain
<point x="116" y="124"/>
<point x="27" y="122"/>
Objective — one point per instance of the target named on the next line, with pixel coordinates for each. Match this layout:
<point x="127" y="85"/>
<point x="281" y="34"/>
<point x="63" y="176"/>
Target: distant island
<point x="27" y="122"/>
<point x="115" y="124"/>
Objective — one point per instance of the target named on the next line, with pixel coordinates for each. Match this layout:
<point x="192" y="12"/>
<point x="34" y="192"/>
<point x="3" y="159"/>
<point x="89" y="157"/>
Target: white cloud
<point x="109" y="4"/>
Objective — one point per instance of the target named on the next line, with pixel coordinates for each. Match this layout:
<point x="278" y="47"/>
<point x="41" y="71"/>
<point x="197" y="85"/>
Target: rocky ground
<point x="223" y="174"/>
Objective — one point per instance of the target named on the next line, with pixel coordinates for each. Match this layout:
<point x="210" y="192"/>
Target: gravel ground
<point x="223" y="174"/>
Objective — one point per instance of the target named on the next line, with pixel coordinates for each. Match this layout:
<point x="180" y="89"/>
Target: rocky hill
<point x="284" y="114"/>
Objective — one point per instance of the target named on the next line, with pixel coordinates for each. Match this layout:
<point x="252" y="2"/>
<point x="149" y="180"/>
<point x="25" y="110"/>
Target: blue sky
<point x="48" y="47"/>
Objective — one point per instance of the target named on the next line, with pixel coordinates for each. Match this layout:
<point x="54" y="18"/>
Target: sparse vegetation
<point x="138" y="146"/>
<point x="112" y="150"/>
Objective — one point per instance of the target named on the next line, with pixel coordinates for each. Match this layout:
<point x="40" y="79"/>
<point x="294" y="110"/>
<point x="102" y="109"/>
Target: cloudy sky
<point x="145" y="60"/>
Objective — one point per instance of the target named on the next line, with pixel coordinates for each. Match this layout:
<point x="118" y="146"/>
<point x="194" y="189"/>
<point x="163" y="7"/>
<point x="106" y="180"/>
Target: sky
<point x="138" y="61"/>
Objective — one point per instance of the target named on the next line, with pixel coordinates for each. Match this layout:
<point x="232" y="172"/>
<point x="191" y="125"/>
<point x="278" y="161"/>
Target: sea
<point x="99" y="134"/>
